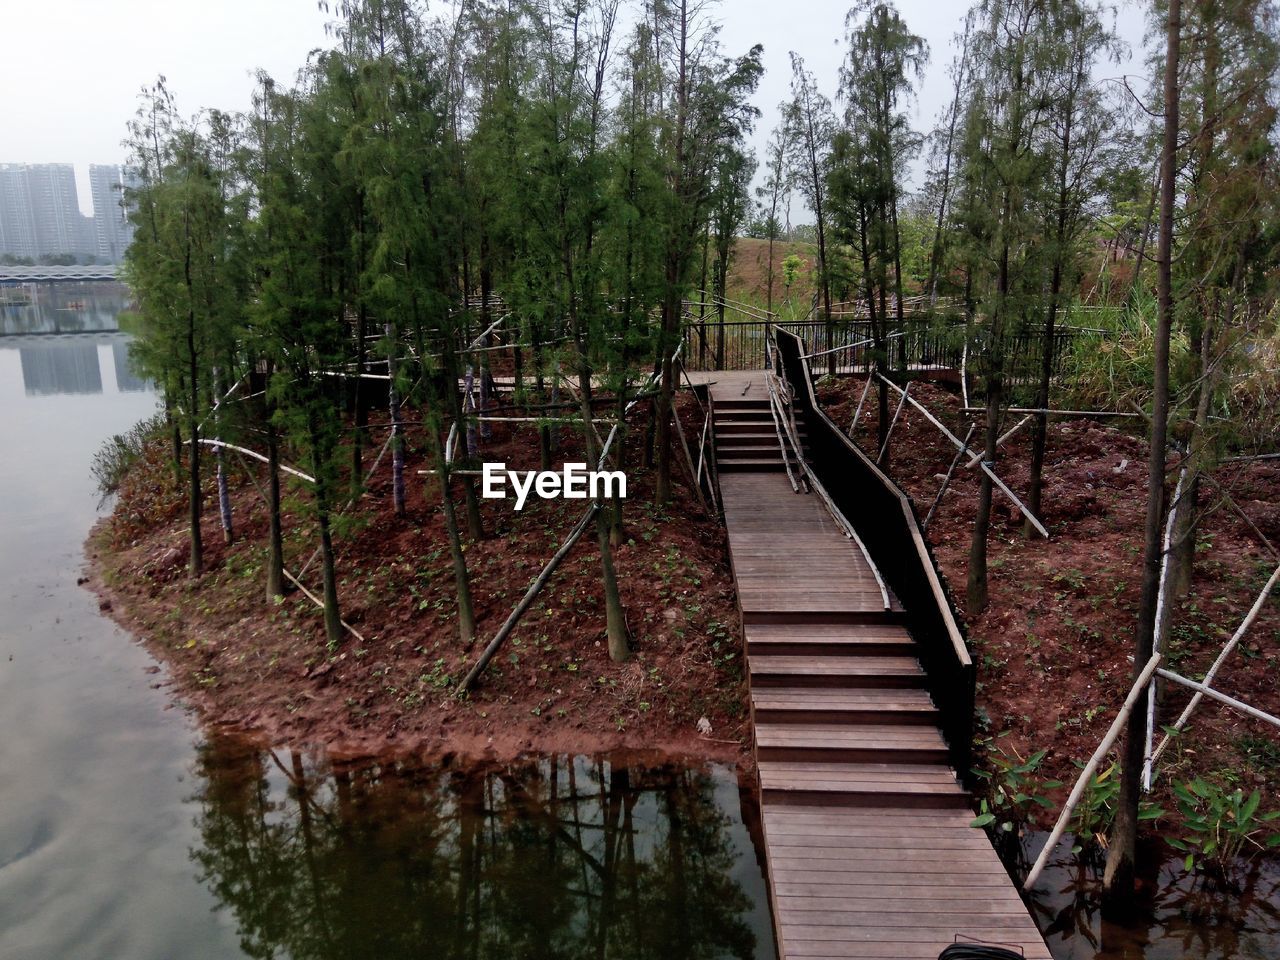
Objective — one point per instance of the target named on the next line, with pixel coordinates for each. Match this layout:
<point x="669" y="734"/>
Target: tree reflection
<point x="1180" y="915"/>
<point x="562" y="857"/>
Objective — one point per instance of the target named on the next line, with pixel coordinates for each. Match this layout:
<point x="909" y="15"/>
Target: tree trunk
<point x="397" y="429"/>
<point x="1118" y="879"/>
<point x="275" y="537"/>
<point x="976" y="595"/>
<point x="462" y="580"/>
<point x="319" y="461"/>
<point x="196" y="565"/>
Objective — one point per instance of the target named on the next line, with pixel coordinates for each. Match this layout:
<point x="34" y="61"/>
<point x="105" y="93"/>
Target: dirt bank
<point x="1053" y="648"/>
<point x="262" y="668"/>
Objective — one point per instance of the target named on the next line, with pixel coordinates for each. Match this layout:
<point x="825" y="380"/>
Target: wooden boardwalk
<point x="867" y="837"/>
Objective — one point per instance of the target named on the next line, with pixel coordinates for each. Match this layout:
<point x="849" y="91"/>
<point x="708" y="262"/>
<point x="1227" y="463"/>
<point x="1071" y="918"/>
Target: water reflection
<point x="1184" y="916"/>
<point x="40" y="322"/>
<point x="62" y="366"/>
<point x="563" y="858"/>
<point x="42" y="308"/>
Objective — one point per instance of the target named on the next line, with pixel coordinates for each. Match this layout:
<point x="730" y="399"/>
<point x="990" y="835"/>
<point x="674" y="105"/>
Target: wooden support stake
<point x="1054" y="413"/>
<point x="974" y="460"/>
<point x="1086" y="774"/>
<point x="525" y="602"/>
<point x="1222" y="658"/>
<point x="320" y="603"/>
<point x="947" y="479"/>
<point x="688" y="458"/>
<point x="257" y="456"/>
<point x="902" y="402"/>
<point x="1206" y="691"/>
<point x="1035" y="522"/>
<point x="1162" y="621"/>
<point x="853" y="425"/>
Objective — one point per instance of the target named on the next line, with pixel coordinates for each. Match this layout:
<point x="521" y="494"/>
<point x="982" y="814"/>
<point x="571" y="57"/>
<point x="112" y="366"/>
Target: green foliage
<point x="1014" y="790"/>
<point x="1096" y="810"/>
<point x="791" y="267"/>
<point x="120" y="452"/>
<point x="1219" y="824"/>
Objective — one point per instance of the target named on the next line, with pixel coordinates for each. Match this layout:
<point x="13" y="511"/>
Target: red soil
<point x="1054" y="647"/>
<point x="264" y="668"/>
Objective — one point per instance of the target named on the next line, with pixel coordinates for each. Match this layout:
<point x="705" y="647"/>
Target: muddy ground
<point x="263" y="668"/>
<point x="1054" y="647"/>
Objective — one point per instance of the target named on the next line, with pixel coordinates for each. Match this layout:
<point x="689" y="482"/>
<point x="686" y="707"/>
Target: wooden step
<point x="874" y="617"/>
<point x="748" y="441"/>
<point x="846" y="743"/>
<point x="905" y="785"/>
<point x="762" y="436"/>
<point x="836" y="672"/>
<point x="828" y="639"/>
<point x="753" y="465"/>
<point x="736" y="452"/>
<point x="744" y="425"/>
<point x="742" y="403"/>
<point x="816" y="705"/>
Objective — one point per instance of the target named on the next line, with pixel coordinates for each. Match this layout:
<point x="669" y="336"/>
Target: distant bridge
<point x="11" y="275"/>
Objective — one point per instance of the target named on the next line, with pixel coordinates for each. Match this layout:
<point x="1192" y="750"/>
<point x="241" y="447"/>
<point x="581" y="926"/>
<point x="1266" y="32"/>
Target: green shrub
<point x="120" y="452"/>
<point x="1219" y="824"/>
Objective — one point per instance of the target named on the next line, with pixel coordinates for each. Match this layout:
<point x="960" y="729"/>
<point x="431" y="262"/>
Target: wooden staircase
<point x="747" y="438"/>
<point x="870" y="853"/>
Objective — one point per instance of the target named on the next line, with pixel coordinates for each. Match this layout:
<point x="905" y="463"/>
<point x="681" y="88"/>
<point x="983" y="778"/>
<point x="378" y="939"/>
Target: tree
<point x="1118" y="876"/>
<point x="875" y="144"/>
<point x="1078" y="122"/>
<point x="1004" y="170"/>
<point x="773" y="193"/>
<point x="810" y="128"/>
<point x="181" y="267"/>
<point x="704" y="105"/>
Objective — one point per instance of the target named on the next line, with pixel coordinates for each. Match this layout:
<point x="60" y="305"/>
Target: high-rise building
<point x="17" y="226"/>
<point x="112" y="229"/>
<point x="39" y="211"/>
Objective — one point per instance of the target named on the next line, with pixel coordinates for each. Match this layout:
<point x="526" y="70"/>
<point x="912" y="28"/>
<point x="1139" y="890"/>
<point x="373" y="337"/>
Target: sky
<point x="72" y="84"/>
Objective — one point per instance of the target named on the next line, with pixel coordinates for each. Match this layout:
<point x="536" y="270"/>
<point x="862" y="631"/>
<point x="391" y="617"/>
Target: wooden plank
<point x="848" y="748"/>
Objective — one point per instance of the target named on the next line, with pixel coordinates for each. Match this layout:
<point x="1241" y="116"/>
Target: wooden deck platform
<point x="867" y="837"/>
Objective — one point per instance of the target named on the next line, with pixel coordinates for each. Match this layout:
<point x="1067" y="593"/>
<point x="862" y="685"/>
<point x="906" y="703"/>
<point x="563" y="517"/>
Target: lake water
<point x="128" y="834"/>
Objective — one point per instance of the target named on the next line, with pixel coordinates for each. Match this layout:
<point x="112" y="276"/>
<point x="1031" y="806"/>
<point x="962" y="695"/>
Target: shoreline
<point x="241" y="664"/>
<point x="476" y="746"/>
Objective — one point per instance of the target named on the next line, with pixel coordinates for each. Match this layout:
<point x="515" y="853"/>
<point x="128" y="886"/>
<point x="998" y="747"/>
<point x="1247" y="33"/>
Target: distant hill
<point x="748" y="272"/>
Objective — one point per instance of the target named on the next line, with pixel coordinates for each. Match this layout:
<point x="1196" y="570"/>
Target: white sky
<point x="72" y="69"/>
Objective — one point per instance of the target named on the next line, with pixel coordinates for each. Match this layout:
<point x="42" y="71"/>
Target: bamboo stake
<point x="853" y="425"/>
<point x="777" y="428"/>
<point x="319" y="603"/>
<point x="702" y="445"/>
<point x="1078" y="790"/>
<point x="1222" y="658"/>
<point x="1162" y="622"/>
<point x="1054" y="413"/>
<point x="525" y="602"/>
<point x="688" y="459"/>
<point x="1251" y="458"/>
<point x="973" y="461"/>
<point x="902" y="402"/>
<point x="1240" y="513"/>
<point x="947" y="480"/>
<point x="986" y="468"/>
<point x="257" y="456"/>
<point x="1205" y="691"/>
<point x="349" y="504"/>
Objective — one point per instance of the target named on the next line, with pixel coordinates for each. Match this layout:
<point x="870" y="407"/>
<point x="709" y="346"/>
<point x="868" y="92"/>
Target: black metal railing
<point x="886" y="521"/>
